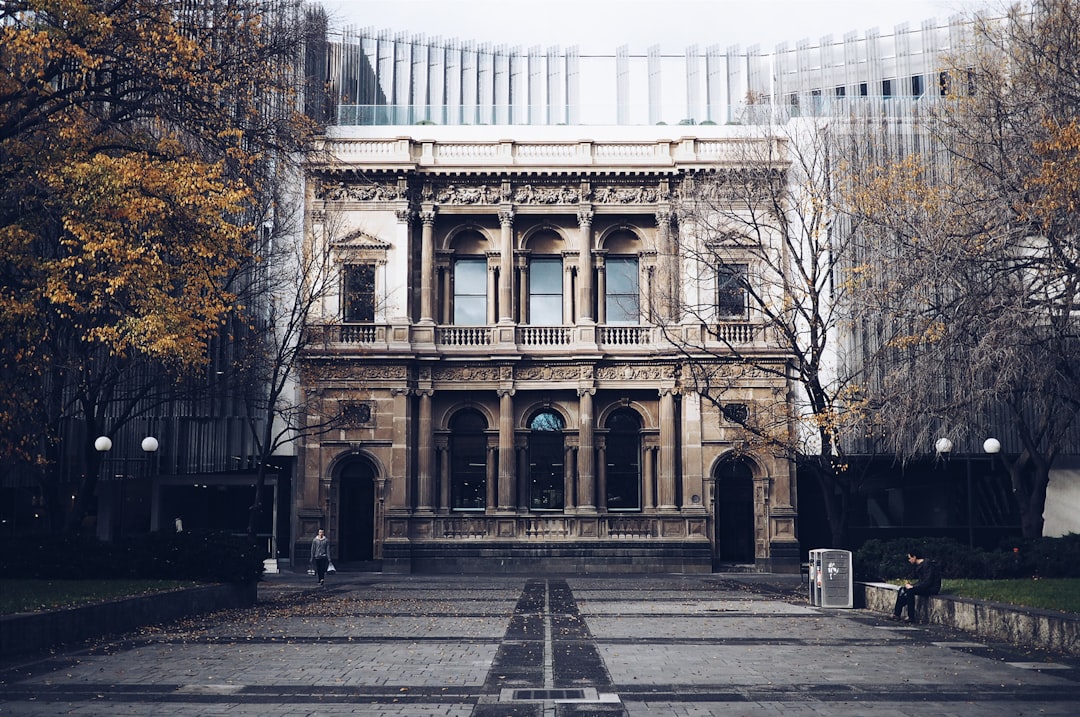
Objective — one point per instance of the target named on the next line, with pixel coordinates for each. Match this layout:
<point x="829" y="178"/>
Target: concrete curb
<point x="1019" y="626"/>
<point x="28" y="632"/>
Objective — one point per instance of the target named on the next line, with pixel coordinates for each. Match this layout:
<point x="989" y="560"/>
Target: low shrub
<point x="203" y="557"/>
<point x="881" y="560"/>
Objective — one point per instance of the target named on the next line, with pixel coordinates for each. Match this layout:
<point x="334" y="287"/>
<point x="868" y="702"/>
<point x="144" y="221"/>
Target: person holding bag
<point x="320" y="555"/>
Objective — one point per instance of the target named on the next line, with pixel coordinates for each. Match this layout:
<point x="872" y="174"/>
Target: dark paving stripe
<point x="519" y="661"/>
<point x="576" y="660"/>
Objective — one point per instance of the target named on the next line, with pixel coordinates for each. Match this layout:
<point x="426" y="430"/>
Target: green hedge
<point x="879" y="560"/>
<point x="204" y="557"/>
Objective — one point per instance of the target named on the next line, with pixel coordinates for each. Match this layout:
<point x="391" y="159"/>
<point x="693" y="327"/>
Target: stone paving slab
<point x="495" y="646"/>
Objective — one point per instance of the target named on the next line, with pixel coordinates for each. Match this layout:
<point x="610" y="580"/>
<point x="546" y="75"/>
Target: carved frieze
<point x="547" y="373"/>
<point x="360" y="191"/>
<point x="463" y="374"/>
<point x="547" y="194"/>
<point x="471" y="194"/>
<point x="611" y="194"/>
<point x="628" y="372"/>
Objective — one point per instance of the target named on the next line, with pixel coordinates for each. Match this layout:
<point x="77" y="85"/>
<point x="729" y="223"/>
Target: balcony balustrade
<point x="538" y="338"/>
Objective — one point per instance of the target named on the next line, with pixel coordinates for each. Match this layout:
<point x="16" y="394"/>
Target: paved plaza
<point x="509" y="646"/>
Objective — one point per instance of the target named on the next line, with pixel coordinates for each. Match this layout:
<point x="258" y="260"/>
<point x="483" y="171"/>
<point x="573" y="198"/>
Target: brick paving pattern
<point x="558" y="646"/>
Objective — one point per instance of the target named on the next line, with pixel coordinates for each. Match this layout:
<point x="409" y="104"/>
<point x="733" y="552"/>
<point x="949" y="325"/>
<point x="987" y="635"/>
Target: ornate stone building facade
<point x="497" y="354"/>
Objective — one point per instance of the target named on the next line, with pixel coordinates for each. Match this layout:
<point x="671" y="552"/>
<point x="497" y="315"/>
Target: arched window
<point x="546" y="461"/>
<point x="623" y="461"/>
<point x="468" y="461"/>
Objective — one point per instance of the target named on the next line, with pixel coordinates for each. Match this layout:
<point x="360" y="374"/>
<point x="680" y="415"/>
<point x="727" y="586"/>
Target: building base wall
<point x="581" y="557"/>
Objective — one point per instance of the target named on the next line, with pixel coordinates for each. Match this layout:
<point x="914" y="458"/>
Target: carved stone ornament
<point x="474" y="194"/>
<point x="547" y="373"/>
<point x="466" y="373"/>
<point x="546" y="194"/>
<point x="357" y="413"/>
<point x="633" y="373"/>
<point x="359" y="192"/>
<point x="609" y="194"/>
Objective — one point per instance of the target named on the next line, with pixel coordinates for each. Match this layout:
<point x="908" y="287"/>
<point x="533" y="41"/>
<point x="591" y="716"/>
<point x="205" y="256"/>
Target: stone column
<point x="586" y="457"/>
<point x="569" y="461"/>
<point x="506" y="449"/>
<point x="492" y="283"/>
<point x="663" y="294"/>
<point x="568" y="294"/>
<point x="522" y="452"/>
<point x="425" y="459"/>
<point x="491" y="483"/>
<point x="506" y="265"/>
<point x="443" y="448"/>
<point x="585" y="269"/>
<point x="666" y="487"/>
<point x="523" y="291"/>
<point x="601" y="290"/>
<point x="427" y="265"/>
<point x="601" y="476"/>
<point x="401" y="470"/>
<point x="649" y="479"/>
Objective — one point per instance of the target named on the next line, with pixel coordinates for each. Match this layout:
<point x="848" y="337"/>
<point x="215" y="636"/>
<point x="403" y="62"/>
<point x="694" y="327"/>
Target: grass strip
<point x="35" y="595"/>
<point x="1062" y="594"/>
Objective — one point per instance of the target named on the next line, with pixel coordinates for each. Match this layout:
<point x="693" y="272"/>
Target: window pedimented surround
<point x="357" y="247"/>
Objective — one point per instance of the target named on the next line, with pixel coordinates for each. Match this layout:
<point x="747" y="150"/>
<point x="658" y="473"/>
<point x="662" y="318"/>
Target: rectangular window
<point x="470" y="292"/>
<point x="917" y="88"/>
<point x="731" y="290"/>
<point x="358" y="299"/>
<point x="546" y="292"/>
<point x="623" y="294"/>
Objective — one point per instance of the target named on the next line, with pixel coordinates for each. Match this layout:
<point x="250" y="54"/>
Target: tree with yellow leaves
<point x="135" y="139"/>
<point x="973" y="244"/>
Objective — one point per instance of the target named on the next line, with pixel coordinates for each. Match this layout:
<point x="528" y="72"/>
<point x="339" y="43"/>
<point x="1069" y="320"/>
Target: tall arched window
<point x="623" y="461"/>
<point x="468" y="461"/>
<point x="546" y="461"/>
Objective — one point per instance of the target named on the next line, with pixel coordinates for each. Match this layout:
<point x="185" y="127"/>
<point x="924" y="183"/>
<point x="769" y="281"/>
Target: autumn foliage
<point x="134" y="140"/>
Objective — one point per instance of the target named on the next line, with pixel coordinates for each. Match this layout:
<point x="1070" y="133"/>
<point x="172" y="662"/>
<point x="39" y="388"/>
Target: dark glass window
<point x="546" y="462"/>
<point x="468" y="461"/>
<point x="623" y="294"/>
<point x="546" y="292"/>
<point x="470" y="292"/>
<point x="359" y="293"/>
<point x="731" y="290"/>
<point x="623" y="461"/>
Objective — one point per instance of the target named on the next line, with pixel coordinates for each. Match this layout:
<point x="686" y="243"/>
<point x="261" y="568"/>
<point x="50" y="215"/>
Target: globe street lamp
<point x="992" y="446"/>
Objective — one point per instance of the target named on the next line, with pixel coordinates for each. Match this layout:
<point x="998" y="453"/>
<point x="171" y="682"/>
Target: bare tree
<point x="287" y="284"/>
<point x="766" y="253"/>
<point x="972" y="259"/>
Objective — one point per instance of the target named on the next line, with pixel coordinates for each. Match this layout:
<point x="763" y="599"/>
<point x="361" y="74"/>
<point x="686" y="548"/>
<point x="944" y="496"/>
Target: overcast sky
<point x="603" y="25"/>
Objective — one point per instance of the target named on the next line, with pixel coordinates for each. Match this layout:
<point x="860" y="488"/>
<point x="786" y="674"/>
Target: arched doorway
<point x="356" y="512"/>
<point x="734" y="512"/>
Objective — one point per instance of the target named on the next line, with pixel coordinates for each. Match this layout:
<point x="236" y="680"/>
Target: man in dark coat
<point x="927" y="582"/>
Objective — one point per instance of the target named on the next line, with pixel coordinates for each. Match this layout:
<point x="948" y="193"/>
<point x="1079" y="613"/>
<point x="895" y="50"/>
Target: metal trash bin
<point x="831" y="583"/>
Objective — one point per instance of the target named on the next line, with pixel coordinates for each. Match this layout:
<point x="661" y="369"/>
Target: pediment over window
<point x="360" y="240"/>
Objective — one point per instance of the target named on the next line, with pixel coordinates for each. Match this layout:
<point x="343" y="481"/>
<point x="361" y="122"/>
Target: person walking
<point x="927" y="582"/>
<point x="320" y="555"/>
